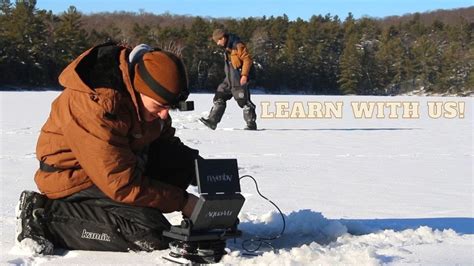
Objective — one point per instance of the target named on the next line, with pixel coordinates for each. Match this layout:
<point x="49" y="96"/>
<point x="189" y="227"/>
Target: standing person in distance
<point x="237" y="67"/>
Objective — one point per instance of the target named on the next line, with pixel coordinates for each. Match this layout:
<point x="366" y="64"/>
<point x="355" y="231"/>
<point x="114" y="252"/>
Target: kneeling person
<point x="110" y="165"/>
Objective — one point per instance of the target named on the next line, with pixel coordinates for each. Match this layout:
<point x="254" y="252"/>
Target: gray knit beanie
<point x="217" y="34"/>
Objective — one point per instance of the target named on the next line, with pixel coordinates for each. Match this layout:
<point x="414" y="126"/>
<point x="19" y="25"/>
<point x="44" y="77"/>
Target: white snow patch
<point x="353" y="191"/>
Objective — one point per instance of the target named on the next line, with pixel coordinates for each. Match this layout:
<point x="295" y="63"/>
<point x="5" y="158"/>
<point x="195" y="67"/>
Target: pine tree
<point x="258" y="45"/>
<point x="246" y="27"/>
<point x="295" y="58"/>
<point x="70" y="38"/>
<point x="323" y="47"/>
<point x="391" y="57"/>
<point x="48" y="59"/>
<point x="457" y="61"/>
<point x="427" y="62"/>
<point x="314" y="51"/>
<point x="351" y="66"/>
<point x="5" y="42"/>
<point x="276" y="71"/>
<point x="469" y="87"/>
<point x="27" y="35"/>
<point x="369" y="45"/>
<point x="197" y="55"/>
<point x="143" y="34"/>
<point x="5" y="7"/>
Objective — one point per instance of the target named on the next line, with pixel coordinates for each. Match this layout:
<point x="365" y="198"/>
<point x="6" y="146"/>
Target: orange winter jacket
<point x="95" y="136"/>
<point x="238" y="54"/>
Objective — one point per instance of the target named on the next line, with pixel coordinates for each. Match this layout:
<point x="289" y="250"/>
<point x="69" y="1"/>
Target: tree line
<point x="432" y="52"/>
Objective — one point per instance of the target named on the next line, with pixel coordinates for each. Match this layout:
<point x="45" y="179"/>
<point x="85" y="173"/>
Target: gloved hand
<point x="172" y="162"/>
<point x="189" y="206"/>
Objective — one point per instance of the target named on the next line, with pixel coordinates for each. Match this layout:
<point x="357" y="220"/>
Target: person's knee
<point x="245" y="103"/>
<point x="242" y="103"/>
<point x="249" y="105"/>
<point x="240" y="96"/>
<point x="219" y="102"/>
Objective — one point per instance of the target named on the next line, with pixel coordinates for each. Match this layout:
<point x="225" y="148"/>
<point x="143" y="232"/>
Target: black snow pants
<point x="229" y="88"/>
<point x="89" y="220"/>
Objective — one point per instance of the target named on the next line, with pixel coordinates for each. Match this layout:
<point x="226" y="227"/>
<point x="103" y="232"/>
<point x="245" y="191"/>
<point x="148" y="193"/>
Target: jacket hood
<point x="232" y="41"/>
<point x="103" y="66"/>
<point x="70" y="78"/>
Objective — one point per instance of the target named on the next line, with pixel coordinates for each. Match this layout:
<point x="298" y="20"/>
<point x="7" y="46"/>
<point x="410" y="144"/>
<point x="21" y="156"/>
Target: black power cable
<point x="262" y="240"/>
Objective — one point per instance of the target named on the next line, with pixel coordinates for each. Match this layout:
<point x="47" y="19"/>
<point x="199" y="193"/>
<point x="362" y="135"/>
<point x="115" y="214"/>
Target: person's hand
<point x="189" y="206"/>
<point x="243" y="80"/>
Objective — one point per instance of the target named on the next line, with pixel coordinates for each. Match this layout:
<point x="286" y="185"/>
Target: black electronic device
<point x="185" y="106"/>
<point x="201" y="237"/>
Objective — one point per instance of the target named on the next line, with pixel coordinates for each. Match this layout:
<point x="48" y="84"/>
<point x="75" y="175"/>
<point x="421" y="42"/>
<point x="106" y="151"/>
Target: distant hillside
<point x="124" y="19"/>
<point x="122" y="25"/>
<point x="450" y="17"/>
<point x="432" y="52"/>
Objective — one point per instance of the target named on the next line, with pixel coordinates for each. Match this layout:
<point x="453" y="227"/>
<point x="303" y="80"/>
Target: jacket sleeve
<point x="245" y="57"/>
<point x="168" y="131"/>
<point x="180" y="154"/>
<point x="102" y="149"/>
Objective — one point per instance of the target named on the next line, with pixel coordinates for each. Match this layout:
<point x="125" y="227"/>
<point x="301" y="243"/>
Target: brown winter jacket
<point x="239" y="55"/>
<point x="95" y="136"/>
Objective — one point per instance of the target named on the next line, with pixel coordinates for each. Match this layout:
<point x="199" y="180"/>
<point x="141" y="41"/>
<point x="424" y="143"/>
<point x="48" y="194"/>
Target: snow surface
<point x="354" y="191"/>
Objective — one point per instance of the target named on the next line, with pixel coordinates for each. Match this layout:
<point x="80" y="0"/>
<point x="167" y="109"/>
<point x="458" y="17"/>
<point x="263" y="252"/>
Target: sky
<point x="257" y="8"/>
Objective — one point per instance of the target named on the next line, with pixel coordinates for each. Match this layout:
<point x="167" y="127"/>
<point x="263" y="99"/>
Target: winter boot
<point x="30" y="223"/>
<point x="208" y="123"/>
<point x="251" y="126"/>
<point x="215" y="115"/>
<point x="250" y="116"/>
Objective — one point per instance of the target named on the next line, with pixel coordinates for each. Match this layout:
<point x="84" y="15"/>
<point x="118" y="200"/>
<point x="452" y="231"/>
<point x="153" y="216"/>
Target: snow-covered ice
<point x="353" y="191"/>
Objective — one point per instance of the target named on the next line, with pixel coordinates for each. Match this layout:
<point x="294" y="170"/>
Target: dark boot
<point x="215" y="115"/>
<point x="251" y="126"/>
<point x="207" y="122"/>
<point x="30" y="223"/>
<point x="250" y="116"/>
